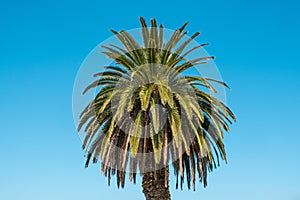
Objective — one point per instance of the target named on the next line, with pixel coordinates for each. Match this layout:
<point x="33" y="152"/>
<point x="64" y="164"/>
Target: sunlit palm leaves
<point x="147" y="112"/>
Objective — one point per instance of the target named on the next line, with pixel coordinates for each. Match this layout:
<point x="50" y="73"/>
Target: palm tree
<point x="147" y="112"/>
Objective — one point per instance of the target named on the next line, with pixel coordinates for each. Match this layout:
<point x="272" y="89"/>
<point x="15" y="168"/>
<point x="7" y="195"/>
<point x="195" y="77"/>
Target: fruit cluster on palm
<point x="147" y="113"/>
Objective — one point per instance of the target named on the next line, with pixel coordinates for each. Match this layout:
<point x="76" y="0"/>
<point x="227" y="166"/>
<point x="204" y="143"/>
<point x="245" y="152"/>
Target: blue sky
<point x="42" y="45"/>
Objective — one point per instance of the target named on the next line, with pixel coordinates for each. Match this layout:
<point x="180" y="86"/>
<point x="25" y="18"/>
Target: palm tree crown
<point x="147" y="112"/>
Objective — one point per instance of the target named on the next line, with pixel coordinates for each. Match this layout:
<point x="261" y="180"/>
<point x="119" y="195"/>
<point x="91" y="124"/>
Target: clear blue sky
<point x="42" y="45"/>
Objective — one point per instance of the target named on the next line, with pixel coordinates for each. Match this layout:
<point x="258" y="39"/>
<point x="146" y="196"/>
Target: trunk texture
<point x="156" y="185"/>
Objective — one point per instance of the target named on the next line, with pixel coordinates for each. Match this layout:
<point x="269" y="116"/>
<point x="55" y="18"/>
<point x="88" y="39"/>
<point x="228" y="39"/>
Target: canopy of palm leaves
<point x="147" y="113"/>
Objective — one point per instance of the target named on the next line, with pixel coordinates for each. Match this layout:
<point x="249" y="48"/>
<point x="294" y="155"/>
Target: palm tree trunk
<point x="156" y="185"/>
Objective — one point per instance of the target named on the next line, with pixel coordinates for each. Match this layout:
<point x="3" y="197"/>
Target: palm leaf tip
<point x="183" y="26"/>
<point x="153" y="22"/>
<point x="113" y="31"/>
<point x="143" y="21"/>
